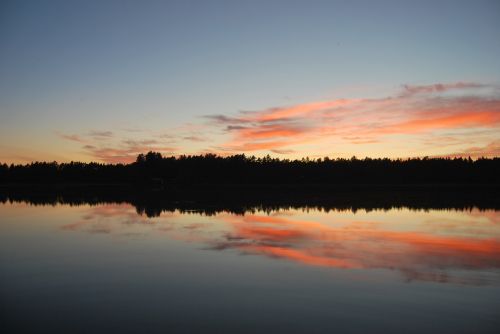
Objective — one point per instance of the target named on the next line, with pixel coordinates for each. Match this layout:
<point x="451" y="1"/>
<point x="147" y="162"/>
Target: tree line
<point x="213" y="200"/>
<point x="210" y="169"/>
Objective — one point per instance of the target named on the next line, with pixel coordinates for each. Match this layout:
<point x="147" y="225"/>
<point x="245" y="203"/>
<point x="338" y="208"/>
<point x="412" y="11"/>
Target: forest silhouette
<point x="152" y="169"/>
<point x="237" y="200"/>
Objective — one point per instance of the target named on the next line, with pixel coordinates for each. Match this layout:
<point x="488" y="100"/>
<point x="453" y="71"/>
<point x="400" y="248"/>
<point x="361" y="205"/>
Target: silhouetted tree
<point x="240" y="169"/>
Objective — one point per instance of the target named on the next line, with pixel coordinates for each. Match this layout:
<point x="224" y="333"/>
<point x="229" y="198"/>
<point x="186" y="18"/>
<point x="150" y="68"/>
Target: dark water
<point x="105" y="268"/>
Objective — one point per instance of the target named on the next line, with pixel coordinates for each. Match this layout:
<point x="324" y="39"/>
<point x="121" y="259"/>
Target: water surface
<point x="105" y="268"/>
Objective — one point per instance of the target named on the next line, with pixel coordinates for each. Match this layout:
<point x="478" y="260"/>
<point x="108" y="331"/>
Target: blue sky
<point x="157" y="67"/>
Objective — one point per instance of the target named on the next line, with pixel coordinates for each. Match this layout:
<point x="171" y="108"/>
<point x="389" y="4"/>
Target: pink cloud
<point x="428" y="251"/>
<point x="370" y="121"/>
<point x="257" y="146"/>
<point x="271" y="131"/>
<point x="458" y="120"/>
<point x="490" y="150"/>
<point x="114" y="155"/>
<point x="277" y="114"/>
<point x="126" y="152"/>
<point x="116" y="150"/>
<point x="357" y="245"/>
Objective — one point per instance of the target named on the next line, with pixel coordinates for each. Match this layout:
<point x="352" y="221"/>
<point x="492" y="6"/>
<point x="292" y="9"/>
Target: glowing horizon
<point x="440" y="120"/>
<point x="106" y="82"/>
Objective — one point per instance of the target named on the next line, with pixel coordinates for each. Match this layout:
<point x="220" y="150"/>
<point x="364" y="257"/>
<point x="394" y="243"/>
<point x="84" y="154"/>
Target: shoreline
<point x="235" y="198"/>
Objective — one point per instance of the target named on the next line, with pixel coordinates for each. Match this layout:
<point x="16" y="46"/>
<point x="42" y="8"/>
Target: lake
<point x="109" y="267"/>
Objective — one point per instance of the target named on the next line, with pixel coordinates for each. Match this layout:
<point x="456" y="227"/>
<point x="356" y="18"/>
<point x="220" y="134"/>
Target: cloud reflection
<point x="430" y="249"/>
<point x="417" y="254"/>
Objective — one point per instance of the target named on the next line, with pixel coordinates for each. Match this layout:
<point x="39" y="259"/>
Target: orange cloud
<point x="421" y="254"/>
<point x="124" y="153"/>
<point x="301" y="110"/>
<point x="408" y="121"/>
<point x="300" y="256"/>
<point x="417" y="111"/>
<point x="360" y="245"/>
<point x="270" y="131"/>
<point x="459" y="120"/>
<point x="490" y="150"/>
<point x="256" y="146"/>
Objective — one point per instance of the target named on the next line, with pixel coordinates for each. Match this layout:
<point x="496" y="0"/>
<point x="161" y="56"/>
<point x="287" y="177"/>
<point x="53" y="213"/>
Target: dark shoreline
<point x="210" y="199"/>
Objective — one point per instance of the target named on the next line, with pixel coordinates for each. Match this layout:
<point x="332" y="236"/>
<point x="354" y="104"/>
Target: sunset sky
<point x="107" y="80"/>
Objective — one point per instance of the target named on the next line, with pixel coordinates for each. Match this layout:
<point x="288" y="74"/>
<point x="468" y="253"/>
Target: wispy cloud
<point x="277" y="151"/>
<point x="71" y="137"/>
<point x="417" y="255"/>
<point x="416" y="110"/>
<point x="134" y="143"/>
<point x="417" y="120"/>
<point x="86" y="137"/>
<point x="110" y="147"/>
<point x="488" y="151"/>
<point x="101" y="134"/>
<point x="126" y="151"/>
<point x="339" y="241"/>
<point x="439" y="88"/>
<point x="194" y="138"/>
<point x="223" y="119"/>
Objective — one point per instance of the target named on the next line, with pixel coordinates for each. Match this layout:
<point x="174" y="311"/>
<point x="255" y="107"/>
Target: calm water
<point x="105" y="268"/>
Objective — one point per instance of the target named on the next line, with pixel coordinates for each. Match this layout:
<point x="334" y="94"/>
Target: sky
<point x="107" y="80"/>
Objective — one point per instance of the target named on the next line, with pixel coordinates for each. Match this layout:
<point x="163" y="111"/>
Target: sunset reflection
<point x="419" y="254"/>
<point x="439" y="246"/>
